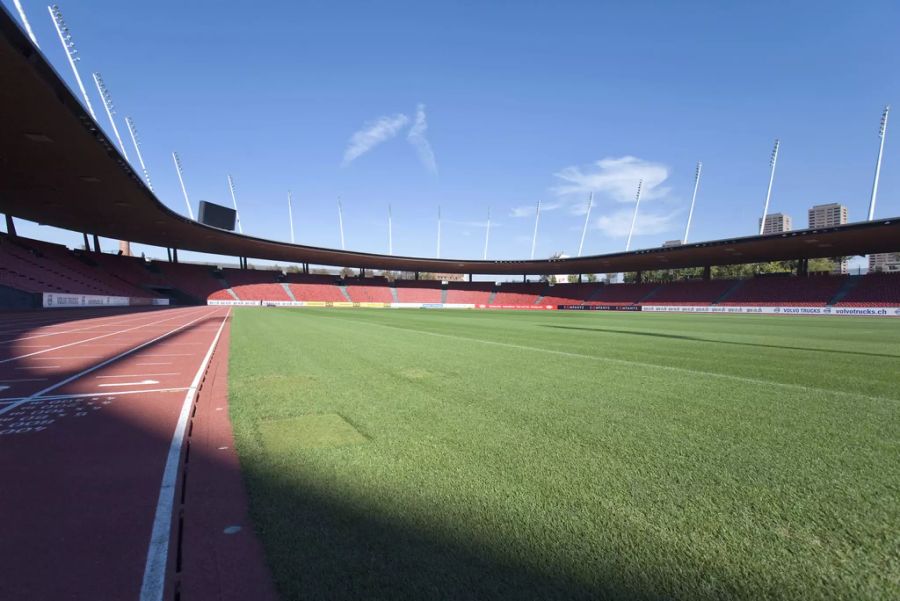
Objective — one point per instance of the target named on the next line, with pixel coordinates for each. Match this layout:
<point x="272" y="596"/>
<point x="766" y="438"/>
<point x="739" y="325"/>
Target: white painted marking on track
<point x="171" y="355"/>
<point x="171" y="373"/>
<point x="154" y="583"/>
<point x="141" y="383"/>
<point x="20" y="400"/>
<point x="2" y="388"/>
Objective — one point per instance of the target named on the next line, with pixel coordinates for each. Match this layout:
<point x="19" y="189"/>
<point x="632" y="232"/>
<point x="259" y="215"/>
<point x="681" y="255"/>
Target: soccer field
<point x="414" y="454"/>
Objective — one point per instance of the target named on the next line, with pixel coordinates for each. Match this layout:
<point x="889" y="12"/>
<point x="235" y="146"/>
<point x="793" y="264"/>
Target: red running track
<point x="97" y="410"/>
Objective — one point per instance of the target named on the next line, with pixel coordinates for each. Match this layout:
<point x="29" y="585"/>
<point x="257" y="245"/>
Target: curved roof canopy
<point x="58" y="168"/>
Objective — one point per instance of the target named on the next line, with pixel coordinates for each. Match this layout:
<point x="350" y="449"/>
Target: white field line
<point x="628" y="362"/>
<point x="19" y="400"/>
<point x="153" y="585"/>
<point x="93" y="368"/>
<point x="62" y="346"/>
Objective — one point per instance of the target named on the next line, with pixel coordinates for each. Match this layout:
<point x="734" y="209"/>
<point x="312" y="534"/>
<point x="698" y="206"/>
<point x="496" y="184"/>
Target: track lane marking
<point x="70" y="344"/>
<point x="154" y="582"/>
<point x="37" y="395"/>
<point x="171" y="373"/>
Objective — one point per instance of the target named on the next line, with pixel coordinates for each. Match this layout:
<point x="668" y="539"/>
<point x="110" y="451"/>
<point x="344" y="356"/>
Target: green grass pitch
<point x="403" y="454"/>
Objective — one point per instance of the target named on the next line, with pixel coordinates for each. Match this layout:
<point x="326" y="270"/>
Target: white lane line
<point x="93" y="368"/>
<point x="3" y="387"/>
<point x="141" y="383"/>
<point x="154" y="582"/>
<point x="68" y="324"/>
<point x="19" y="400"/>
<point x="62" y="346"/>
<point x="171" y="373"/>
<point x="171" y="355"/>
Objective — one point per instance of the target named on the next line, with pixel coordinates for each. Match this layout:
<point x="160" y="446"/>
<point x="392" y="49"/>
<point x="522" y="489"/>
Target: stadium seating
<point x="315" y="288"/>
<point x="469" y="293"/>
<point x="262" y="292"/>
<point x="418" y="291"/>
<point x="514" y="293"/>
<point x="874" y="290"/>
<point x="621" y="294"/>
<point x="689" y="292"/>
<point x="195" y="280"/>
<point x="240" y="277"/>
<point x="369" y="290"/>
<point x="814" y="291"/>
<point x="569" y="294"/>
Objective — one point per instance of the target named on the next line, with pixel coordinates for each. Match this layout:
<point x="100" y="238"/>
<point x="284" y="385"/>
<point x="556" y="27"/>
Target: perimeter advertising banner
<point x="838" y="311"/>
<point x="599" y="307"/>
<point x="56" y="300"/>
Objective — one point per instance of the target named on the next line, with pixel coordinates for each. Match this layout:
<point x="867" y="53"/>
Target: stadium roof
<point x="58" y="168"/>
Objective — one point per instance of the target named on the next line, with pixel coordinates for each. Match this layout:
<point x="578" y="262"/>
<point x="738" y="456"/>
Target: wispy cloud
<point x="416" y="137"/>
<point x="614" y="178"/>
<point x="529" y="210"/>
<point x="617" y="224"/>
<point x="372" y="134"/>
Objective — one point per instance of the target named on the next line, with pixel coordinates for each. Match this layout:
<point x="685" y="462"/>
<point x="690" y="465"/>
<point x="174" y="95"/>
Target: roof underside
<point x="58" y="168"/>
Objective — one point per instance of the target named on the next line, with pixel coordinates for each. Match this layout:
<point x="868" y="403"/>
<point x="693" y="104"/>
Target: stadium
<point x="713" y="419"/>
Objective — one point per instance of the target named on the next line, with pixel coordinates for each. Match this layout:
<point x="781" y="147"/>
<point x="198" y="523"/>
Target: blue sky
<point x="516" y="102"/>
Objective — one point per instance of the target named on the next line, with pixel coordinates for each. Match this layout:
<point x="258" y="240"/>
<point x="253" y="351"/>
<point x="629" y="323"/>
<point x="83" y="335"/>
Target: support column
<point x="580" y="279"/>
<point x="87" y="245"/>
<point x="168" y="252"/>
<point x="417" y="276"/>
<point x="306" y="268"/>
<point x="10" y="226"/>
<point x="707" y="273"/>
<point x="174" y="255"/>
<point x="803" y="268"/>
<point x="524" y="279"/>
<point x="639" y="277"/>
<point x="470" y="277"/>
<point x="96" y="243"/>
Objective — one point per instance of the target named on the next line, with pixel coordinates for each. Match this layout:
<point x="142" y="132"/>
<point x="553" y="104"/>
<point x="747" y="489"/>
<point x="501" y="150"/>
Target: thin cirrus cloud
<point x="416" y="137"/>
<point x="617" y="223"/>
<point x="386" y="127"/>
<point x="372" y="134"/>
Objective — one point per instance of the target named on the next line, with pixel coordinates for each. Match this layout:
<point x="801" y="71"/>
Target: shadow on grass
<point x="698" y="339"/>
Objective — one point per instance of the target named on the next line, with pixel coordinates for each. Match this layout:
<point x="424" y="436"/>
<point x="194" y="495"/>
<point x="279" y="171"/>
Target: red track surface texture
<point x="90" y="404"/>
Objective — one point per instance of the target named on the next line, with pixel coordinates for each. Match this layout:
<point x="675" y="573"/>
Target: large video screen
<point x="217" y="215"/>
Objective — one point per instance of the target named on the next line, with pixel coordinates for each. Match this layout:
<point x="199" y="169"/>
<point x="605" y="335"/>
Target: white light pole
<point x="438" y="255"/>
<point x="137" y="150"/>
<point x="772" y="162"/>
<point x="25" y="22"/>
<point x="341" y="222"/>
<point x="181" y="181"/>
<point x="291" y="216"/>
<point x="587" y="219"/>
<point x="110" y="109"/>
<point x="537" y="218"/>
<point x="881" y="134"/>
<point x="687" y="229"/>
<point x="237" y="215"/>
<point x="71" y="53"/>
<point x="390" y="232"/>
<point x="637" y="203"/>
<point x="487" y="234"/>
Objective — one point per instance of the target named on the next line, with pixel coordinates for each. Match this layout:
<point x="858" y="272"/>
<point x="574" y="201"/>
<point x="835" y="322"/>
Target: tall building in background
<point x="830" y="215"/>
<point x="888" y="262"/>
<point x="125" y="248"/>
<point x="776" y="223"/>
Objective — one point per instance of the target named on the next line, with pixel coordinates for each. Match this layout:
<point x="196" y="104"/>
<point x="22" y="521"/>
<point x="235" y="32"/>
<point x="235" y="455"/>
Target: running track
<point x="99" y="412"/>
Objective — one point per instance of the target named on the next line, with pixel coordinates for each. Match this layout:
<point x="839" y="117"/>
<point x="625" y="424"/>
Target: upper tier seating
<point x="513" y="293"/>
<point x="469" y="293"/>
<point x="874" y="290"/>
<point x="814" y="291"/>
<point x="421" y="291"/>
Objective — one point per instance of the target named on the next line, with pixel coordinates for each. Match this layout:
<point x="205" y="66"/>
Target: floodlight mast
<point x="110" y="109"/>
<point x="237" y="215"/>
<point x="687" y="229"/>
<point x="291" y="216"/>
<point x="26" y="23"/>
<point x="137" y="150"/>
<point x="587" y="219"/>
<point x="65" y="39"/>
<point x="438" y="254"/>
<point x="178" y="170"/>
<point x="390" y="232"/>
<point x="487" y="235"/>
<point x="772" y="162"/>
<point x="341" y="222"/>
<point x="881" y="134"/>
<point x="537" y="219"/>
<point x="637" y="203"/>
